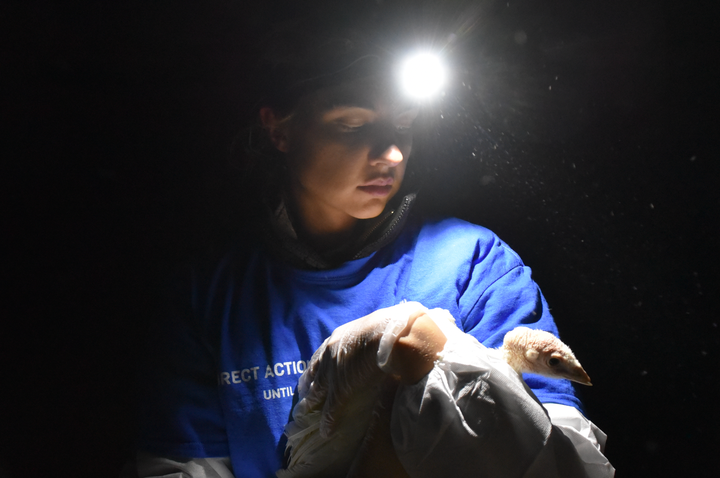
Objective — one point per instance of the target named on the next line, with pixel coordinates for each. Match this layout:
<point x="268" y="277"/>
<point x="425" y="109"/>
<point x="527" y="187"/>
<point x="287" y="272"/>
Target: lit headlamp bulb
<point x="422" y="75"/>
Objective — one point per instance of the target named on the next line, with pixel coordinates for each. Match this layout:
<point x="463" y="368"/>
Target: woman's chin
<point x="371" y="210"/>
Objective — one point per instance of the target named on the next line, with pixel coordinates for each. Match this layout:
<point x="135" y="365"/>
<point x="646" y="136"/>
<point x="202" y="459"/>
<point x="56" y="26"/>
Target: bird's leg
<point x="376" y="457"/>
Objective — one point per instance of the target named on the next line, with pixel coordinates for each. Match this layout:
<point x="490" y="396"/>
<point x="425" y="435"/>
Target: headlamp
<point x="422" y="75"/>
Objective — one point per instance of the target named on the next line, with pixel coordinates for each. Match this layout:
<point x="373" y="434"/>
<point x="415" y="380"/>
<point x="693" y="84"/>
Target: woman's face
<point x="347" y="148"/>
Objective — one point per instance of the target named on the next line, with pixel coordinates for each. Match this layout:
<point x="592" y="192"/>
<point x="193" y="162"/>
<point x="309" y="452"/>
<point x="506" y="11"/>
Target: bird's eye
<point x="553" y="361"/>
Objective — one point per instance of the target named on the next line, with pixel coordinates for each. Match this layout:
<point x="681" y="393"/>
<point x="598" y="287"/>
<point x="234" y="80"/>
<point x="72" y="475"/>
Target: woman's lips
<point x="378" y="187"/>
<point x="377" y="191"/>
<point x="380" y="181"/>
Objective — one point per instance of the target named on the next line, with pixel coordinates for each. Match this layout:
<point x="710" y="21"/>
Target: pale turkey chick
<point x="536" y="351"/>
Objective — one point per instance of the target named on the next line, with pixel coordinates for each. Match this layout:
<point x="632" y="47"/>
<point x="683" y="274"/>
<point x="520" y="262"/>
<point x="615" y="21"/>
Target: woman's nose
<point x="392" y="156"/>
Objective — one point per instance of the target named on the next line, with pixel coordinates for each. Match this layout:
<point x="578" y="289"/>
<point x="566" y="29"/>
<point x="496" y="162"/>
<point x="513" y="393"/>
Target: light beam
<point x="422" y="75"/>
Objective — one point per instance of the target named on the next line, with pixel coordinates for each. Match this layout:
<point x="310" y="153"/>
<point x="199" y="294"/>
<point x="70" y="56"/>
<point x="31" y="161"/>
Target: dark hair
<point x="308" y="54"/>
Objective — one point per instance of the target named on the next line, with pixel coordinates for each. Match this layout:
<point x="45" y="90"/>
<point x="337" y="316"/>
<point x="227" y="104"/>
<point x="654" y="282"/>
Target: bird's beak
<point x="577" y="374"/>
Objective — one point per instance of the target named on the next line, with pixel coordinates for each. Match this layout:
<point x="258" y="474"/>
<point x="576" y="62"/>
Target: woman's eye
<point x="402" y="129"/>
<point x="349" y="128"/>
<point x="404" y="122"/>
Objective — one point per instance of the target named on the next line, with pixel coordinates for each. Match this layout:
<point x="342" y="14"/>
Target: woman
<point x="341" y="248"/>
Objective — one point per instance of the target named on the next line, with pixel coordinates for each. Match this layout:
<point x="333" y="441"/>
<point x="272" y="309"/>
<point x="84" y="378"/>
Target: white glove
<point x="351" y="361"/>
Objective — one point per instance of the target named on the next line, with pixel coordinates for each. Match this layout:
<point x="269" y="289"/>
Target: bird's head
<point x="540" y="352"/>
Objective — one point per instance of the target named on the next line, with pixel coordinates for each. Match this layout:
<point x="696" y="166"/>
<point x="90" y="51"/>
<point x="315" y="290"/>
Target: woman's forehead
<point x="369" y="93"/>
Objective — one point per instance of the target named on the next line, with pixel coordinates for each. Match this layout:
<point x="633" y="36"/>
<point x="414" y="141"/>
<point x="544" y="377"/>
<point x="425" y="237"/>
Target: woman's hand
<point x="416" y="349"/>
<point x="401" y="340"/>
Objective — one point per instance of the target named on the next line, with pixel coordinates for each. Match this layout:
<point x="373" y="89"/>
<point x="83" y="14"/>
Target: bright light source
<point x="422" y="75"/>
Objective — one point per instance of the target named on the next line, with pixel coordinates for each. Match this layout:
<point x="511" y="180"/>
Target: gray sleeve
<point x="146" y="465"/>
<point x="588" y="439"/>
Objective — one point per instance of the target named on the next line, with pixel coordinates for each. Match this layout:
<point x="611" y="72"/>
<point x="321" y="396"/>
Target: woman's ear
<point x="273" y="124"/>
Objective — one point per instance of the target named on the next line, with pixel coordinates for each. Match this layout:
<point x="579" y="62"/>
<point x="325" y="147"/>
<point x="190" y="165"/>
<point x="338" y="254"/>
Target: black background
<point x="582" y="132"/>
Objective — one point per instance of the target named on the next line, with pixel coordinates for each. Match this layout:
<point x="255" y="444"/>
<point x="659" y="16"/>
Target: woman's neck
<point x="322" y="230"/>
<point x="328" y="241"/>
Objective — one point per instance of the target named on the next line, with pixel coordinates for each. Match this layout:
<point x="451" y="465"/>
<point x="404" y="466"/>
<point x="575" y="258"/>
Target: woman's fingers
<point x="417" y="348"/>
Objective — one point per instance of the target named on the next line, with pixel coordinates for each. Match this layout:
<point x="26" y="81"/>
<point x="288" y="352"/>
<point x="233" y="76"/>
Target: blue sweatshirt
<point x="227" y="361"/>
